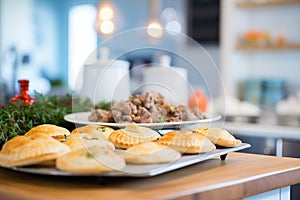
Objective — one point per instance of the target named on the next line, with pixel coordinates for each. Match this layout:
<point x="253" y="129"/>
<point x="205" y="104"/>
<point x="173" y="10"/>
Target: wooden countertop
<point x="240" y="175"/>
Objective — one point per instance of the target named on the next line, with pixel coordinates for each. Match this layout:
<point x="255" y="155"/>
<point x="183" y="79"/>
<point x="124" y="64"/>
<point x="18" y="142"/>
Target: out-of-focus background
<point x="253" y="51"/>
<point x="49" y="40"/>
<point x="254" y="44"/>
<point x="253" y="48"/>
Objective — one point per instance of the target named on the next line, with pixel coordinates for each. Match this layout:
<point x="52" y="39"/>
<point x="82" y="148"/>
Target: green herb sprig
<point x="17" y="118"/>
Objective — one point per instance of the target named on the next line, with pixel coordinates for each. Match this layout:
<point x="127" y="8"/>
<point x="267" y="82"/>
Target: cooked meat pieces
<point x="143" y="116"/>
<point x="148" y="99"/>
<point x="182" y="113"/>
<point x="121" y="112"/>
<point x="145" y="108"/>
<point x="159" y="113"/>
<point x="134" y="108"/>
<point x="93" y="116"/>
<point x="198" y="113"/>
<point x="152" y="98"/>
<point x="99" y="115"/>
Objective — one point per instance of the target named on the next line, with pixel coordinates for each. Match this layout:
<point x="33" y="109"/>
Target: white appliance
<point x="106" y="80"/>
<point x="171" y="82"/>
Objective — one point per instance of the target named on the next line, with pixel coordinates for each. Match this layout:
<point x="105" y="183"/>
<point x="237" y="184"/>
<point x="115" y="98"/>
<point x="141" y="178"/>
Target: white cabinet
<point x="240" y="62"/>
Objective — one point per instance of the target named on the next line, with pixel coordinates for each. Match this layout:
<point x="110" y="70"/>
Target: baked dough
<point x="150" y="153"/>
<point x="132" y="135"/>
<point x="186" y="141"/>
<point x="90" y="135"/>
<point x="78" y="142"/>
<point x="94" y="130"/>
<point x="54" y="131"/>
<point x="219" y="136"/>
<point x="90" y="161"/>
<point x="31" y="149"/>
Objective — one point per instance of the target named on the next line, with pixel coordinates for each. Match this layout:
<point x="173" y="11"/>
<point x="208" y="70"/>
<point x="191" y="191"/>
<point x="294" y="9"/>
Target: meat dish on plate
<point x="149" y="107"/>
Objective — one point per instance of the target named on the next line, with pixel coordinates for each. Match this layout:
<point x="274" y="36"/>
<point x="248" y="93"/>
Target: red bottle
<point x="24" y="94"/>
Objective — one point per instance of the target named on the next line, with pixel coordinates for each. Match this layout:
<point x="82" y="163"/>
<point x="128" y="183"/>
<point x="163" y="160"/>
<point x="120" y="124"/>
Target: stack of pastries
<point x="94" y="149"/>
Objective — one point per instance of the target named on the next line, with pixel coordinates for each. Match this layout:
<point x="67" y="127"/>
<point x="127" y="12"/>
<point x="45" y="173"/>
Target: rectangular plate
<point x="132" y="170"/>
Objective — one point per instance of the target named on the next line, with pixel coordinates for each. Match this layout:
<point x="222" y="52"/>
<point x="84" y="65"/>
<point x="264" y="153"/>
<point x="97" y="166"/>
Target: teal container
<point x="253" y="91"/>
<point x="274" y="90"/>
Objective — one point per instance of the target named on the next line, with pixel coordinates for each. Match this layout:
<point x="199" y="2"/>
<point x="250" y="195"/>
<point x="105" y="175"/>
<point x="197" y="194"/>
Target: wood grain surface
<point x="240" y="175"/>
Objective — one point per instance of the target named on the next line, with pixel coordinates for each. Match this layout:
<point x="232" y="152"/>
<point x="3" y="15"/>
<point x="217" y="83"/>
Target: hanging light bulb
<point x="172" y="24"/>
<point x="105" y="24"/>
<point x="154" y="29"/>
<point x="173" y="27"/>
<point x="106" y="12"/>
<point x="107" y="27"/>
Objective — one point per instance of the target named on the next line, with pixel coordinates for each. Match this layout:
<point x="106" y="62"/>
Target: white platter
<point x="132" y="170"/>
<point x="82" y="118"/>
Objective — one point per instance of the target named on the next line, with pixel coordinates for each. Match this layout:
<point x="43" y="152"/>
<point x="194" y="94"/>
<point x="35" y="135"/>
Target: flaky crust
<point x="92" y="161"/>
<point x="54" y="131"/>
<point x="219" y="136"/>
<point x="187" y="142"/>
<point x="94" y="130"/>
<point x="132" y="135"/>
<point x="150" y="153"/>
<point x="77" y="143"/>
<point x="29" y="150"/>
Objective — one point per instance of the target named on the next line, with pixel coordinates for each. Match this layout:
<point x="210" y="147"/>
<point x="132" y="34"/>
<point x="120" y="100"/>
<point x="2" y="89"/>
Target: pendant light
<point x="154" y="27"/>
<point x="105" y="16"/>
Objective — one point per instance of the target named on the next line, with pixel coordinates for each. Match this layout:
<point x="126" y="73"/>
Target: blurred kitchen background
<point x="254" y="44"/>
<point x="49" y="40"/>
<point x="253" y="48"/>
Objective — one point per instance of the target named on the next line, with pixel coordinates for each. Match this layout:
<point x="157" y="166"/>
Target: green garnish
<point x="65" y="138"/>
<point x="89" y="155"/>
<point x="102" y="128"/>
<point x="105" y="105"/>
<point x="18" y="118"/>
<point x="131" y="98"/>
<point x="162" y="118"/>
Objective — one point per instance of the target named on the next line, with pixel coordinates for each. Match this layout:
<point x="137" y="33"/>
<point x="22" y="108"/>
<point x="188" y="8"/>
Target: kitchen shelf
<point x="276" y="17"/>
<point x="268" y="47"/>
<point x="267" y="3"/>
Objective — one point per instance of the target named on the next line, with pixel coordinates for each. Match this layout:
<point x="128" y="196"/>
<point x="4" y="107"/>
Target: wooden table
<point x="240" y="175"/>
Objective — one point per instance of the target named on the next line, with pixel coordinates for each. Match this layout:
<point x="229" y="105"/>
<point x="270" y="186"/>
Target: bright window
<point x="82" y="39"/>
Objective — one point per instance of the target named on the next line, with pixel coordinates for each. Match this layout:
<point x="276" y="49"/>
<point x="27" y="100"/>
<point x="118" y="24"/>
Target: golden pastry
<point x="219" y="136"/>
<point x="78" y="142"/>
<point x="150" y="153"/>
<point x="90" y="161"/>
<point x="32" y="149"/>
<point x="54" y="131"/>
<point x="132" y="135"/>
<point x="94" y="130"/>
<point x="186" y="141"/>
